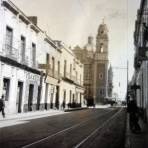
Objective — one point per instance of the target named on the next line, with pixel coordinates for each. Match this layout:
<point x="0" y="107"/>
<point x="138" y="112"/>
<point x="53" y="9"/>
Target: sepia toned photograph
<point x="73" y="73"/>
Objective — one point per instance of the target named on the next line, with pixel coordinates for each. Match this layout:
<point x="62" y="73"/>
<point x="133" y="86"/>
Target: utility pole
<point x="127" y="83"/>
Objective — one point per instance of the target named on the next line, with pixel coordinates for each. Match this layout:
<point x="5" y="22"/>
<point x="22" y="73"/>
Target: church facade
<point x="97" y="77"/>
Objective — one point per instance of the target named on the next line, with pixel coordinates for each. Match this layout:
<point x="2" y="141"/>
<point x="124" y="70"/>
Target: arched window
<point x="101" y="48"/>
<point x="100" y="76"/>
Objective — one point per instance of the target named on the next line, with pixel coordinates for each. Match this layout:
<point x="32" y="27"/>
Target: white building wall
<point x="14" y="73"/>
<point x="77" y="67"/>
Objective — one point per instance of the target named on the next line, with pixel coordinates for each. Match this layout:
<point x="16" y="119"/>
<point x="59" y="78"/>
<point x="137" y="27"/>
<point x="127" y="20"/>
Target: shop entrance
<point x="38" y="98"/>
<point x="30" y="97"/>
<point x="57" y="97"/>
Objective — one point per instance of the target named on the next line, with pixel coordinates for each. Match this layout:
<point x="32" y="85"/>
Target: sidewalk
<point x="30" y="115"/>
<point x="136" y="140"/>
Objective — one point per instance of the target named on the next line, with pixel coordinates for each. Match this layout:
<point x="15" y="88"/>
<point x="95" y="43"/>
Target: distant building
<point x="95" y="60"/>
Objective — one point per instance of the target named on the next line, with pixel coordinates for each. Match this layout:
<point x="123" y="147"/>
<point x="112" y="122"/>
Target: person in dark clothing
<point x="2" y="106"/>
<point x="63" y="104"/>
<point x="145" y="34"/>
<point x="134" y="116"/>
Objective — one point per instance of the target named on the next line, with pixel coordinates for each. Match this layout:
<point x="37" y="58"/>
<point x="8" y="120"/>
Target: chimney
<point x="33" y="19"/>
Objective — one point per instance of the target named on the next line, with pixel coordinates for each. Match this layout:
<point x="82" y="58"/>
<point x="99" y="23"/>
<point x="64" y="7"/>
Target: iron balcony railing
<point x="10" y="52"/>
<point x="15" y="54"/>
<point x="54" y="74"/>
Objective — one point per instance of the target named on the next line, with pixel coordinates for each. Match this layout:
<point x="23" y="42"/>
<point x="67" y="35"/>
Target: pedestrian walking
<point x="134" y="116"/>
<point x="2" y="106"/>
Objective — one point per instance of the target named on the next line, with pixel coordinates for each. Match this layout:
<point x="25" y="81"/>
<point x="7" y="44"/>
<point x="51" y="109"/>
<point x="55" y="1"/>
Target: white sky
<point x="72" y="21"/>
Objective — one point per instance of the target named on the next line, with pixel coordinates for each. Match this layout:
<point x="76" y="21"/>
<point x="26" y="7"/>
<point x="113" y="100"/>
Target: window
<point x="101" y="48"/>
<point x="9" y="38"/>
<point x="58" y="68"/>
<point x="47" y="58"/>
<point x="100" y="76"/>
<point x="76" y="75"/>
<point x="65" y="65"/>
<point x="23" y="47"/>
<point x="70" y="70"/>
<point x="33" y="54"/>
<point x="47" y="63"/>
<point x="53" y="65"/>
<point x="102" y="31"/>
<point x="101" y="92"/>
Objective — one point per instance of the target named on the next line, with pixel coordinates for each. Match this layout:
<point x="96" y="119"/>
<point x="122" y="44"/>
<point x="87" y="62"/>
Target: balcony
<point x="10" y="52"/>
<point x="33" y="64"/>
<point x="54" y="74"/>
<point x="24" y="60"/>
<point x="73" y="78"/>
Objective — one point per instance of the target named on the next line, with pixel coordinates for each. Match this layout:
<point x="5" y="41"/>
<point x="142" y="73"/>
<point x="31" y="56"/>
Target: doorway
<point x="57" y="97"/>
<point x="19" y="97"/>
<point x="30" y="97"/>
<point x="38" y="97"/>
<point x="46" y="95"/>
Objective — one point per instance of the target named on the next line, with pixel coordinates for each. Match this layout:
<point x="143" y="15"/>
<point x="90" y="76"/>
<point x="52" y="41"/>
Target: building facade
<point x="19" y="74"/>
<point x="71" y="90"/>
<point x="140" y="81"/>
<point x="36" y="72"/>
<point x="95" y="60"/>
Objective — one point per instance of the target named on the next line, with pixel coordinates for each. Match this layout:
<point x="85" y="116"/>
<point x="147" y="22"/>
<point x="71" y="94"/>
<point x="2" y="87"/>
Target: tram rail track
<point x="72" y="128"/>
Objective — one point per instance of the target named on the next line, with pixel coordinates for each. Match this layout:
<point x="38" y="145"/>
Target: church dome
<point x="90" y="45"/>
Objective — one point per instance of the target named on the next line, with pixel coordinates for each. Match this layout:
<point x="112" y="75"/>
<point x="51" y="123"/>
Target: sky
<point x="72" y="21"/>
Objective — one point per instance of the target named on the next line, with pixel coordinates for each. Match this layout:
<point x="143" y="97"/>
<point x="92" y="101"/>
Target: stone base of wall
<point x="43" y="106"/>
<point x="33" y="108"/>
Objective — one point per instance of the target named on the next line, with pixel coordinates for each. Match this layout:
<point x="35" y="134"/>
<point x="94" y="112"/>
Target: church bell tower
<point x="101" y="64"/>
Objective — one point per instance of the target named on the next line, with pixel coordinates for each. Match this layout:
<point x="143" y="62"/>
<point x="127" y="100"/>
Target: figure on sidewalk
<point x="134" y="116"/>
<point x="2" y="106"/>
<point x="145" y="34"/>
<point x="63" y="105"/>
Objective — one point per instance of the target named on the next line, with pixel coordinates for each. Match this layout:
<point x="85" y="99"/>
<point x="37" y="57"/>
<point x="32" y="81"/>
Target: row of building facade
<point x="36" y="72"/>
<point x="138" y="87"/>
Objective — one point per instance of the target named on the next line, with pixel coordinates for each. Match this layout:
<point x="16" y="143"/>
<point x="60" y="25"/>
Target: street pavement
<point x="103" y="128"/>
<point x="136" y="140"/>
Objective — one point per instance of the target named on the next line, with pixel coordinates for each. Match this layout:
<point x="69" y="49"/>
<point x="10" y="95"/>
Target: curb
<point x="75" y="109"/>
